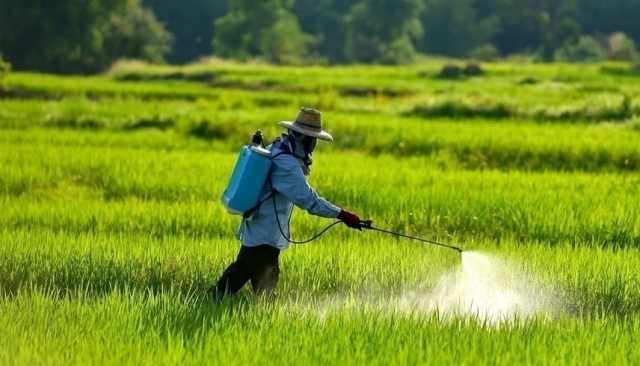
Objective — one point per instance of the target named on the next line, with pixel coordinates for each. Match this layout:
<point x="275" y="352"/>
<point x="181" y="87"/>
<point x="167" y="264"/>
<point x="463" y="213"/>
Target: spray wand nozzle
<point x="368" y="224"/>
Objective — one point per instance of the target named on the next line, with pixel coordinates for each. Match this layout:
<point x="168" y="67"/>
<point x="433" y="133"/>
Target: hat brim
<point x="322" y="135"/>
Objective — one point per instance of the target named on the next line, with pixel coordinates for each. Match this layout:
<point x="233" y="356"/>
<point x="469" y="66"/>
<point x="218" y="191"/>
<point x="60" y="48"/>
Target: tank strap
<point x="255" y="208"/>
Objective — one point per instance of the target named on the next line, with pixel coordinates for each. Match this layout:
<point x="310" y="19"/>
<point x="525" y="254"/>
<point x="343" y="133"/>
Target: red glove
<point x="352" y="220"/>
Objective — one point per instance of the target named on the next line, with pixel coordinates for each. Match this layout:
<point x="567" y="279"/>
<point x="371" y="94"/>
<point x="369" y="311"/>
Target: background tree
<point x="191" y="23"/>
<point x="605" y="17"/>
<point x="69" y="36"/>
<point x="84" y="36"/>
<point x="585" y="49"/>
<point x="383" y="30"/>
<point x="325" y="19"/>
<point x="266" y="28"/>
<point x="519" y="27"/>
<point x="559" y="25"/>
<point x="532" y="26"/>
<point x="453" y="28"/>
<point x="620" y="47"/>
<point x="134" y="32"/>
<point x="5" y="68"/>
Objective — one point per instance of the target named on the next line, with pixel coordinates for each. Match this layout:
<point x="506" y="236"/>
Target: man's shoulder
<point x="284" y="161"/>
<point x="283" y="158"/>
<point x="280" y="153"/>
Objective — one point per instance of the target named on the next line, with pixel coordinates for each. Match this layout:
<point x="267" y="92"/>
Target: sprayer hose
<point x="314" y="237"/>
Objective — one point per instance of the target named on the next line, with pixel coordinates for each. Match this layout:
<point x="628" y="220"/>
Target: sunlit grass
<point x="111" y="228"/>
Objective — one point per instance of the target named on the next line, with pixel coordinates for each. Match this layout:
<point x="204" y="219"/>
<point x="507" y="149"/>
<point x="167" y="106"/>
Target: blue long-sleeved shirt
<point x="290" y="187"/>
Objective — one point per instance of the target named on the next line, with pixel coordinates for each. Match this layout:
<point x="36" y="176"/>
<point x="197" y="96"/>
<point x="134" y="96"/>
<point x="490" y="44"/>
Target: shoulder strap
<point x="255" y="208"/>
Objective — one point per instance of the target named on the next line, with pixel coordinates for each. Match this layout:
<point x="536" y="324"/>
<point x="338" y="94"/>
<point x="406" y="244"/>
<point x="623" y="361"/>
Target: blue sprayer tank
<point x="247" y="180"/>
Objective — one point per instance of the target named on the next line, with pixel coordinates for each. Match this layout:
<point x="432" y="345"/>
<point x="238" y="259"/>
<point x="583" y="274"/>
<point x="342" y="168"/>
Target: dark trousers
<point x="257" y="264"/>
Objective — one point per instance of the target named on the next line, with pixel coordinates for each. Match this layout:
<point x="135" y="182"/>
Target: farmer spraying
<point x="264" y="230"/>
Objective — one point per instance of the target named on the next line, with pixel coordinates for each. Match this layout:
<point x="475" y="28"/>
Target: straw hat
<point x="308" y="122"/>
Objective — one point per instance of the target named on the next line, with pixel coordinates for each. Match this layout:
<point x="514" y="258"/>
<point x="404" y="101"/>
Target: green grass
<point x="94" y="298"/>
<point x="420" y="195"/>
<point x="478" y="144"/>
<point x="111" y="228"/>
<point x="166" y="328"/>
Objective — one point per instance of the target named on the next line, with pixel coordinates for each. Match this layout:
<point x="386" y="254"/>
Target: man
<point x="265" y="233"/>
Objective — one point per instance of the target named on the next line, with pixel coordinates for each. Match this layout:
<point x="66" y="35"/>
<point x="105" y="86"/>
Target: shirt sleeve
<point x="287" y="179"/>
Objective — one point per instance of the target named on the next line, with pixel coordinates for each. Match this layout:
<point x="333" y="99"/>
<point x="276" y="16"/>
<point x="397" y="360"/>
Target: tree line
<point x="79" y="36"/>
<point x="88" y="35"/>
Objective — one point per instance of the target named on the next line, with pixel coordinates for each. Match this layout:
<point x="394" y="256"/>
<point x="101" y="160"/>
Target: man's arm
<point x="287" y="179"/>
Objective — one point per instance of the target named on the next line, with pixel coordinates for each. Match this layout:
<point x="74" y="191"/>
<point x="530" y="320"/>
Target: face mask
<point x="304" y="144"/>
<point x="309" y="144"/>
<point x="303" y="147"/>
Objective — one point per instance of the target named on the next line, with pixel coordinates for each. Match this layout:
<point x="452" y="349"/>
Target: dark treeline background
<point x="83" y="36"/>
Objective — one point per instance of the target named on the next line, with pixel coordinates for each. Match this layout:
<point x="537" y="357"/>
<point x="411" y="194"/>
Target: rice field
<point x="111" y="229"/>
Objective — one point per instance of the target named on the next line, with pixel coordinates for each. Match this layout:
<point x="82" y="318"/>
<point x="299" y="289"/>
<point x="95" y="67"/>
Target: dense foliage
<point x="192" y="24"/>
<point x="380" y="31"/>
<point x="78" y="36"/>
<point x="86" y="36"/>
<point x="585" y="49"/>
<point x="5" y="68"/>
<point x="265" y="28"/>
<point x="453" y="28"/>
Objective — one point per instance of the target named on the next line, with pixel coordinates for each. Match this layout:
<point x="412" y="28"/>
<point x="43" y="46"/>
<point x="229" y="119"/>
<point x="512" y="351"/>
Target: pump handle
<point x="257" y="138"/>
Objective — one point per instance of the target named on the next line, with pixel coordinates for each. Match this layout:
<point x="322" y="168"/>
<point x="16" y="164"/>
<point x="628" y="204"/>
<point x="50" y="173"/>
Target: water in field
<point x="486" y="288"/>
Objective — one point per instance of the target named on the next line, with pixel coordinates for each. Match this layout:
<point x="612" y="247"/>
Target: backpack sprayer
<point x="251" y="173"/>
<point x="249" y="176"/>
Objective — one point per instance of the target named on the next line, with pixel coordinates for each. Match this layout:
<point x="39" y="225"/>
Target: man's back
<point x="286" y="186"/>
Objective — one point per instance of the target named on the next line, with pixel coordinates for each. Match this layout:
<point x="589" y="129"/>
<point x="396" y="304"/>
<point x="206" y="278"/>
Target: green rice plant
<point x="392" y="90"/>
<point x="450" y="109"/>
<point x="601" y="109"/>
<point x="508" y="144"/>
<point x="128" y="299"/>
<point x="136" y="187"/>
<point x="111" y="229"/>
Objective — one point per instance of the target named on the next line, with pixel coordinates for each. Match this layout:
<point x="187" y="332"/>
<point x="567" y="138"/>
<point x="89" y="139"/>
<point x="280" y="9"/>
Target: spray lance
<point x="251" y="173"/>
<point x="364" y="224"/>
<point x="368" y="224"/>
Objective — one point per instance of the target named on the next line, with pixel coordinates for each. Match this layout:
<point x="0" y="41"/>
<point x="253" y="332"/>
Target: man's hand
<point x="350" y="219"/>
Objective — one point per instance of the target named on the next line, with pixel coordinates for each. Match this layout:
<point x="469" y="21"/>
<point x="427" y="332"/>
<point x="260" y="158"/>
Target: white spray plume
<point x="485" y="288"/>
